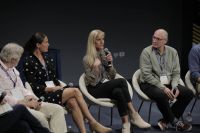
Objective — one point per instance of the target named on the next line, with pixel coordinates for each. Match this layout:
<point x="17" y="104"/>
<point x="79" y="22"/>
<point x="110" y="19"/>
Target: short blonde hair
<point x="11" y="51"/>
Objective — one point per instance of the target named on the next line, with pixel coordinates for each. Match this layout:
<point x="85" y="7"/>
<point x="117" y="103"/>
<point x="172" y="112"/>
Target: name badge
<point x="17" y="93"/>
<point x="164" y="79"/>
<point x="50" y="84"/>
<point x="5" y="108"/>
<point x="105" y="80"/>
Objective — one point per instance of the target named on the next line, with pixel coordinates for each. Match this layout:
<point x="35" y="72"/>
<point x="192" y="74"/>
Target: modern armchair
<point x="142" y="95"/>
<point x="192" y="88"/>
<point x="106" y="102"/>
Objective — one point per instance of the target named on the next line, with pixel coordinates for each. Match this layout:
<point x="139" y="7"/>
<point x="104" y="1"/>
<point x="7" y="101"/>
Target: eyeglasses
<point x="31" y="99"/>
<point x="157" y="38"/>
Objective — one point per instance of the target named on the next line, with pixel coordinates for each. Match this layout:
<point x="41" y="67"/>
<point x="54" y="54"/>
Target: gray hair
<point x="11" y="51"/>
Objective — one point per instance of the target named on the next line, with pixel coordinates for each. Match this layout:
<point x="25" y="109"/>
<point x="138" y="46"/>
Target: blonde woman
<point x="100" y="74"/>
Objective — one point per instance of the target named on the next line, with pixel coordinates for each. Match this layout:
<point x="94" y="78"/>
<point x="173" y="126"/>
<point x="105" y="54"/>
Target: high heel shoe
<point x="138" y="121"/>
<point x="126" y="127"/>
<point x="98" y="128"/>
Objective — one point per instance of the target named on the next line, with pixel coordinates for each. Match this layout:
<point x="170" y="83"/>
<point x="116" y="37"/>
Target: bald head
<point x="162" y="33"/>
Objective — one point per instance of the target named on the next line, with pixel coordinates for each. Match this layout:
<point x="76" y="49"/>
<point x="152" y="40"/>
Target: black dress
<point x="37" y="74"/>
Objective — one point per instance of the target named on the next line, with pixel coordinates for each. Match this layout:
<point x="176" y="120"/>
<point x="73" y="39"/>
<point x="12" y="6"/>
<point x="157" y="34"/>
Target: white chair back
<point x="99" y="101"/>
<point x="136" y="86"/>
<point x="188" y="82"/>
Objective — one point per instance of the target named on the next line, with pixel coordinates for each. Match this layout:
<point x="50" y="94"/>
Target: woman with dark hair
<point x="39" y="70"/>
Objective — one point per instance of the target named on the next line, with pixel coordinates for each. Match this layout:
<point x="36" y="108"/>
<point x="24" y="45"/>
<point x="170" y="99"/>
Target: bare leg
<point x="75" y="93"/>
<point x="76" y="114"/>
<point x="80" y="102"/>
<point x="131" y="108"/>
<point x="124" y="119"/>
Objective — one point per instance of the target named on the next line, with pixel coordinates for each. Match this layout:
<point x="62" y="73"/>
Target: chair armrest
<point x="188" y="83"/>
<point x="129" y="86"/>
<point x="136" y="86"/>
<point x="99" y="101"/>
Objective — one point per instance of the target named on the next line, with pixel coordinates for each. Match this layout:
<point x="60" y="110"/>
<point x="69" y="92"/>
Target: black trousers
<point x="20" y="120"/>
<point x="116" y="89"/>
<point x="162" y="100"/>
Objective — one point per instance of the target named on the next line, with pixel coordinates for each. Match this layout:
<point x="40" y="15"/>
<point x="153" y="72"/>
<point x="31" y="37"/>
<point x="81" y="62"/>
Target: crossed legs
<point x="79" y="108"/>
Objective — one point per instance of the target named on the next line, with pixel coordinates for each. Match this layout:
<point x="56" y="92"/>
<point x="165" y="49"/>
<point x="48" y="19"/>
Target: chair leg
<point x="111" y="117"/>
<point x="131" y="128"/>
<point x="140" y="106"/>
<point x="149" y="111"/>
<point x="193" y="104"/>
<point x="189" y="115"/>
<point x="99" y="113"/>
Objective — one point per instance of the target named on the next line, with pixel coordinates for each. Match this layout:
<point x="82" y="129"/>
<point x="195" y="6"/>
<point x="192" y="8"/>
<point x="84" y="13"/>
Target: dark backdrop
<point x="128" y="25"/>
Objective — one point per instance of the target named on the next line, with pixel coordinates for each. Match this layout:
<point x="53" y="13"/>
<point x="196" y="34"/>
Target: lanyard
<point x="8" y="75"/>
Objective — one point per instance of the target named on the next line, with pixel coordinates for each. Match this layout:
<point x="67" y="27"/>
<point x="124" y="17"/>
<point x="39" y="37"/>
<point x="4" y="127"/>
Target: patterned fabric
<point x="37" y="74"/>
<point x="6" y="83"/>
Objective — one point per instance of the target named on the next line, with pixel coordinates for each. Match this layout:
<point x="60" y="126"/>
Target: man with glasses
<point x="159" y="80"/>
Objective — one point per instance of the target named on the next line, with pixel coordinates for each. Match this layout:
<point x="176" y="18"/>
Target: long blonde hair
<point x="91" y="52"/>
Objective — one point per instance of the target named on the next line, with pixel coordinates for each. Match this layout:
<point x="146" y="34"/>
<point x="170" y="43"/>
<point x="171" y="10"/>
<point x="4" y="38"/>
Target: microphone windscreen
<point x="106" y="51"/>
<point x="41" y="99"/>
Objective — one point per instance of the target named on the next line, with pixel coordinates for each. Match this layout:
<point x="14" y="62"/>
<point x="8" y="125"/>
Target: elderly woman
<point x="39" y="71"/>
<point x="17" y="94"/>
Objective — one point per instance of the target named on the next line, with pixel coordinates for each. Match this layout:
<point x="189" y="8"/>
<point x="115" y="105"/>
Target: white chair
<point x="137" y="89"/>
<point x="142" y="95"/>
<point x="188" y="82"/>
<point x="189" y="85"/>
<point x="106" y="102"/>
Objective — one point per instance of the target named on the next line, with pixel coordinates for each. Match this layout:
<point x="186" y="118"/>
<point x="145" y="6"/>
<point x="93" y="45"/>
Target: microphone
<point x="70" y="84"/>
<point x="106" y="53"/>
<point x="41" y="99"/>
